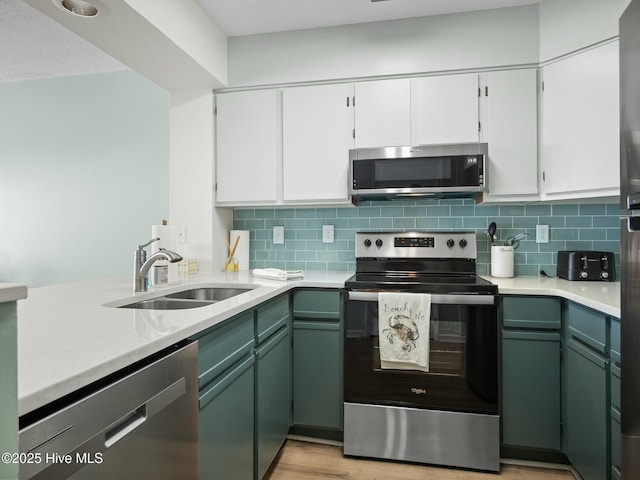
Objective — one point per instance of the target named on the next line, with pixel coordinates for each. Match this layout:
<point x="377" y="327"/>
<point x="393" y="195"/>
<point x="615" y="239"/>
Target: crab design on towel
<point x="400" y="328"/>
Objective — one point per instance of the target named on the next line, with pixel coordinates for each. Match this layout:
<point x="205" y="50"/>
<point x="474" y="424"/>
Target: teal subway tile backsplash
<point x="571" y="227"/>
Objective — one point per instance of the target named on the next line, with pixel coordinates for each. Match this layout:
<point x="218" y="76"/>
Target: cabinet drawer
<point x="222" y="346"/>
<point x="317" y="304"/>
<point x="587" y="353"/>
<point x="540" y="313"/>
<point x="587" y="326"/>
<point x="209" y="394"/>
<point x="271" y="317"/>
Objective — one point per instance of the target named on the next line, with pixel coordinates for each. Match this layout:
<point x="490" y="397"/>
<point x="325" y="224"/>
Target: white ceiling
<point x="281" y="15"/>
<point x="34" y="46"/>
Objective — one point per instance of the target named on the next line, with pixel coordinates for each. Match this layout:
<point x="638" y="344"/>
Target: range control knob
<point x="378" y="243"/>
<point x="462" y="243"/>
<point x="367" y="242"/>
<point x="450" y="243"/>
<point x="584" y="274"/>
<point x="604" y="275"/>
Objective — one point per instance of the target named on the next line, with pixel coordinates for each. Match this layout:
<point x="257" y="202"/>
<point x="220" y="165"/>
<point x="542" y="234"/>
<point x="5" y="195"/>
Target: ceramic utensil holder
<point x="502" y="261"/>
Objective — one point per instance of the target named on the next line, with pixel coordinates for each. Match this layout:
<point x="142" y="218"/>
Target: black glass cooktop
<point x="422" y="282"/>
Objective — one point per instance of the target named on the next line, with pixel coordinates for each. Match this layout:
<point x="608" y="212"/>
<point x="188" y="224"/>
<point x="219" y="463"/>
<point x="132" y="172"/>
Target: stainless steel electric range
<point x="450" y="414"/>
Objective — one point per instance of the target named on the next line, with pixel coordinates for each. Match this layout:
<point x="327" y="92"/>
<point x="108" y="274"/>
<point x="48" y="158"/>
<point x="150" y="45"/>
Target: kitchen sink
<point x="192" y="298"/>
<point x="164" y="303"/>
<point x="211" y="294"/>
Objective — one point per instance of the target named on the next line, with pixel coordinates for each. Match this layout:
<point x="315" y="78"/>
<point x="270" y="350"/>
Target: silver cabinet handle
<point x="438" y="299"/>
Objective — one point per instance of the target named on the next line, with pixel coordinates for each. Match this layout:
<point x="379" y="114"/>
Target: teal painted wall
<point x="572" y="227"/>
<point x="84" y="165"/>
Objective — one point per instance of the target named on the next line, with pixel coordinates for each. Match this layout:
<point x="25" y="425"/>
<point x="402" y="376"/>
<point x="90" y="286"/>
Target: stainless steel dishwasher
<point x="140" y="423"/>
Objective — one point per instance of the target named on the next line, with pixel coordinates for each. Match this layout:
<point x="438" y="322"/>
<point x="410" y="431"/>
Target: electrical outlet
<point x="542" y="233"/>
<point x="278" y="235"/>
<point x="327" y="234"/>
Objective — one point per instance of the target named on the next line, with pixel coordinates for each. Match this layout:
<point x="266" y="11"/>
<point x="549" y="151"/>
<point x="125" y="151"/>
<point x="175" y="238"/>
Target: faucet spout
<point x="142" y="267"/>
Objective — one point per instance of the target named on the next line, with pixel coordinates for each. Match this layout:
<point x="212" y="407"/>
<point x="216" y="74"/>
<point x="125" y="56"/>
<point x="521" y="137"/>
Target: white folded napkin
<point x="277" y="274"/>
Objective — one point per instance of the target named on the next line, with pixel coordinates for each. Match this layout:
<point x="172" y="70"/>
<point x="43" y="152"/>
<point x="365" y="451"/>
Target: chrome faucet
<point x="142" y="265"/>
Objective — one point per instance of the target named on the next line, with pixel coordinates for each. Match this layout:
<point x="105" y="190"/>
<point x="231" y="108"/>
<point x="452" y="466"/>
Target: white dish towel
<point x="403" y="329"/>
<point x="277" y="274"/>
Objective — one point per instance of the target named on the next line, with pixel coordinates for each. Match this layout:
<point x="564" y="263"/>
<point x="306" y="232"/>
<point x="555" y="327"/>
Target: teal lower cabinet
<point x="317" y="362"/>
<point x="531" y="389"/>
<point x="245" y="391"/>
<point x="226" y="365"/>
<point x="616" y="470"/>
<point x="227" y="425"/>
<point x="586" y="392"/>
<point x="273" y="381"/>
<point x="614" y="377"/>
<point x="586" y="411"/>
<point x="531" y="373"/>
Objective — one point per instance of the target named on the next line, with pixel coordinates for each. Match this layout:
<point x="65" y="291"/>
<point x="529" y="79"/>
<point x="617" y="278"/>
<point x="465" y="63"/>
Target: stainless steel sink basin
<point x="164" y="303"/>
<point x="211" y="294"/>
<point x="193" y="298"/>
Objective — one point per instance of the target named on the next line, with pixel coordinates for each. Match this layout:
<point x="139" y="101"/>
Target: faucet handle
<point x="140" y="247"/>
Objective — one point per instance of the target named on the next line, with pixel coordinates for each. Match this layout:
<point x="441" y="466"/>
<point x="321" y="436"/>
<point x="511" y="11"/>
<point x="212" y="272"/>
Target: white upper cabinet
<point x="246" y="147"/>
<point x="317" y="130"/>
<point x="444" y="109"/>
<point x="382" y="113"/>
<point x="581" y="144"/>
<point x="509" y="127"/>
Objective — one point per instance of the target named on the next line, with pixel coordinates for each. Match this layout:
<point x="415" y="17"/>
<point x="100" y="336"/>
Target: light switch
<point x="278" y="235"/>
<point x="181" y="235"/>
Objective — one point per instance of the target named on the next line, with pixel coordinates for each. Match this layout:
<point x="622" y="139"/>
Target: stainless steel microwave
<point x="425" y="171"/>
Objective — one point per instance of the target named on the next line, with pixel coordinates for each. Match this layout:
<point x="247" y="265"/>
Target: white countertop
<point x="11" y="292"/>
<point x="67" y="338"/>
<point x="601" y="296"/>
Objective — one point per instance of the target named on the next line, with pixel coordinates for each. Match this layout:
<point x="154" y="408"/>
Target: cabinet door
<point x="316" y="135"/>
<point x="581" y="142"/>
<point x="444" y="109"/>
<point x="586" y="411"/>
<point x="273" y="397"/>
<point x="531" y="389"/>
<point x="382" y="113"/>
<point x="615" y="402"/>
<point x="317" y="374"/>
<point x="511" y="130"/>
<point x="247" y="147"/>
<point x="226" y="425"/>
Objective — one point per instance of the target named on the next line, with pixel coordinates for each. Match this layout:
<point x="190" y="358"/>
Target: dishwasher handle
<point x="128" y="423"/>
<point x="436" y="299"/>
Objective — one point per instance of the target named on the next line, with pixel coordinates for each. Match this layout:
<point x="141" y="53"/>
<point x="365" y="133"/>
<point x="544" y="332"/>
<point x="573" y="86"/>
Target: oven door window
<point x="463" y="361"/>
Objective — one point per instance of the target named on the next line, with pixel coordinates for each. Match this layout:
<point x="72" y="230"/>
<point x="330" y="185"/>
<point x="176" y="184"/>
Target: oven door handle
<point x="438" y="299"/>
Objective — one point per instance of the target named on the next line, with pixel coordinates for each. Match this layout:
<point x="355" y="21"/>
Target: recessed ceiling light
<point x="78" y="7"/>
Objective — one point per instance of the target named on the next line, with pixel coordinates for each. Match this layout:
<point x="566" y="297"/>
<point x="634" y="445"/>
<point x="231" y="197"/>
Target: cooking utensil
<point x="515" y="241"/>
<point x="232" y="264"/>
<point x="491" y="232"/>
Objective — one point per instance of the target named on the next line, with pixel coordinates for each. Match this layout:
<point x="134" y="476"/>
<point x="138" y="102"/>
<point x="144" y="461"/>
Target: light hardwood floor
<point x="311" y="461"/>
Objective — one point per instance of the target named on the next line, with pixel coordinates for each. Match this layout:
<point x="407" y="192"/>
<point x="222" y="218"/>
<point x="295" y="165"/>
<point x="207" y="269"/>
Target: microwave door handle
<point x="437" y="299"/>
